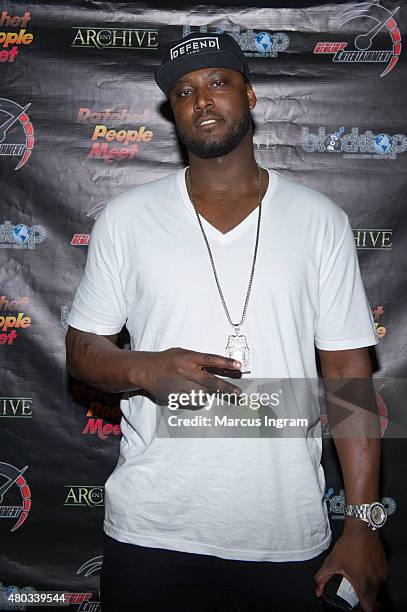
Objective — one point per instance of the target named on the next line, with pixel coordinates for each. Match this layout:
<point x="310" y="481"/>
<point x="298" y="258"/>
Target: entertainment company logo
<point x="354" y="145"/>
<point x="336" y="504"/>
<point x="17" y="484"/>
<point x="13" y="38"/>
<point x="16" y="407"/>
<point x="21" y="236"/>
<point x="380" y="21"/>
<point x="115" y="38"/>
<point x="373" y="239"/>
<point x="12" y="322"/>
<point x="253" y="44"/>
<point x="15" y="115"/>
<point x="84" y="496"/>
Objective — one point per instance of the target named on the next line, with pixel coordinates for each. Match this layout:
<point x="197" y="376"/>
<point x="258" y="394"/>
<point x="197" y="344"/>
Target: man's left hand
<point x="359" y="556"/>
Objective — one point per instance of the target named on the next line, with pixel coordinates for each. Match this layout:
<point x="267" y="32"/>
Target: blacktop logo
<point x="353" y="143"/>
<point x="379" y="24"/>
<point x="12" y="479"/>
<point x="21" y="236"/>
<point x="16" y="132"/>
<point x="252" y="43"/>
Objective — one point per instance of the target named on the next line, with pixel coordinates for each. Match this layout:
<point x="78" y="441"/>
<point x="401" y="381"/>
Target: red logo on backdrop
<point x="80" y="239"/>
<point x="12" y="482"/>
<point x="378" y="23"/>
<point x="16" y="132"/>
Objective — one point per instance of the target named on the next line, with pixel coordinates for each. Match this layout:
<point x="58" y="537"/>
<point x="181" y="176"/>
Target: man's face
<point x="212" y="110"/>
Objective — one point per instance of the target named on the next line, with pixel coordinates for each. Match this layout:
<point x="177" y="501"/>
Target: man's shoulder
<point x="305" y="200"/>
<point x="142" y="197"/>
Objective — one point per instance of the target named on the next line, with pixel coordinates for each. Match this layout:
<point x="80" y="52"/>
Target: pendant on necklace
<point x="238" y="349"/>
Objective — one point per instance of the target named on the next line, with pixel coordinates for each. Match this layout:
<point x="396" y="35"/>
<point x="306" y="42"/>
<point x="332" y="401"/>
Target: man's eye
<point x="219" y="82"/>
<point x="184" y="92"/>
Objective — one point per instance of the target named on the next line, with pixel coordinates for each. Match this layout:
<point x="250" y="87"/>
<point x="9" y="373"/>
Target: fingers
<point x="213" y="384"/>
<point x="217" y="361"/>
<point x="324" y="574"/>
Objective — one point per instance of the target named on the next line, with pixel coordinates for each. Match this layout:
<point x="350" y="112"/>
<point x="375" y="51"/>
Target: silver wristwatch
<point x="373" y="514"/>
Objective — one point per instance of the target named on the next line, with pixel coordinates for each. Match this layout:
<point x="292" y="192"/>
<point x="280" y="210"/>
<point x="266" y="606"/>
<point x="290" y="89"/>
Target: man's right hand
<point x="178" y="370"/>
<point x="98" y="361"/>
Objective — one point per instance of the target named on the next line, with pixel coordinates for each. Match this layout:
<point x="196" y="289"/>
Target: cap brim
<point x="168" y="73"/>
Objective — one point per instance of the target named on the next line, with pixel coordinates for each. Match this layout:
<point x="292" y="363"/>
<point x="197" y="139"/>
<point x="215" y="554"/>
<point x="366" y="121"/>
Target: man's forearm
<point x="354" y="422"/>
<point x="98" y="362"/>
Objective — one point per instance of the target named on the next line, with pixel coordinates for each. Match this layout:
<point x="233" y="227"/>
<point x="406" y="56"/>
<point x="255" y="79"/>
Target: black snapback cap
<point x="199" y="50"/>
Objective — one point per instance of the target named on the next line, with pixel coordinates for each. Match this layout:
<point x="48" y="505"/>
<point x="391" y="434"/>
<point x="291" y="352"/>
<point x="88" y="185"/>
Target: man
<point x="229" y="523"/>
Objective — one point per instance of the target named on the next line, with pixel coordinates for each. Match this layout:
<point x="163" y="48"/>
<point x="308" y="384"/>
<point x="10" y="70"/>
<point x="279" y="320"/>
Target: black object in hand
<point x="339" y="594"/>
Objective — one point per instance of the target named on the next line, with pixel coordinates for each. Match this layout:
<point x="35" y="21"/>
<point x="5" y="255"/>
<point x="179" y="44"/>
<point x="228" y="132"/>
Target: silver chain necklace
<point x="237" y="347"/>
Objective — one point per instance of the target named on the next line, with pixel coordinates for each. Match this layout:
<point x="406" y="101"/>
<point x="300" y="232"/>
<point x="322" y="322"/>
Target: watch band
<point x="358" y="511"/>
<point x="363" y="512"/>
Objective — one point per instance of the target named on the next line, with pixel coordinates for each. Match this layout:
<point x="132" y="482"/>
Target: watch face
<point x="378" y="514"/>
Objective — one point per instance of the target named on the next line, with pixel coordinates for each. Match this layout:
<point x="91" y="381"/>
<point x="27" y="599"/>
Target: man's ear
<point x="251" y="96"/>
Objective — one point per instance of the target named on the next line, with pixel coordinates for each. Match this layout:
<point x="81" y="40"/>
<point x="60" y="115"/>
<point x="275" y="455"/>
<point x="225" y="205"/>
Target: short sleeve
<point x="345" y="319"/>
<point x="99" y="304"/>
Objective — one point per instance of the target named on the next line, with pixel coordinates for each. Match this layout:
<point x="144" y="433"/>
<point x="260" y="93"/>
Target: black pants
<point x="139" y="579"/>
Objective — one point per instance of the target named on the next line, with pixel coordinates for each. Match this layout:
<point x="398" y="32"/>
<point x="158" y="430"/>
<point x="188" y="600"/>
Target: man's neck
<point x="226" y="189"/>
<point x="233" y="174"/>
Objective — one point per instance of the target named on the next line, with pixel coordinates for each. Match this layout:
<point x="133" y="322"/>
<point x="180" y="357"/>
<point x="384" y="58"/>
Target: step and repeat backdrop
<point x="81" y="120"/>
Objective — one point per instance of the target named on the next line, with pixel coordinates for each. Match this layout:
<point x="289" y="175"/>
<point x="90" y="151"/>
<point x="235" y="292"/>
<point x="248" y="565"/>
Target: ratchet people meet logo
<point x="252" y="43"/>
<point x="16" y="321"/>
<point x="377" y="41"/>
<point x="354" y="144"/>
<point x="16" y="132"/>
<point x="16" y="36"/>
<point x="114" y="144"/>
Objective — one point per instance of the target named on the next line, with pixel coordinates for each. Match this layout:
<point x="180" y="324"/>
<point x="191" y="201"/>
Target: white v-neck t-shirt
<point x="255" y="499"/>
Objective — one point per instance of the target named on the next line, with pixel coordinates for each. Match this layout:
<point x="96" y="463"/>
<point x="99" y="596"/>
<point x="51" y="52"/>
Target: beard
<point x="214" y="147"/>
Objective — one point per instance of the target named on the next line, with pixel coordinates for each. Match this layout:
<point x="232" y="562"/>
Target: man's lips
<point x="206" y="121"/>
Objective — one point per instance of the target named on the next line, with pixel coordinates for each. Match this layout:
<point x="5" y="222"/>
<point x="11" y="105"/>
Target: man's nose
<point x="203" y="99"/>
